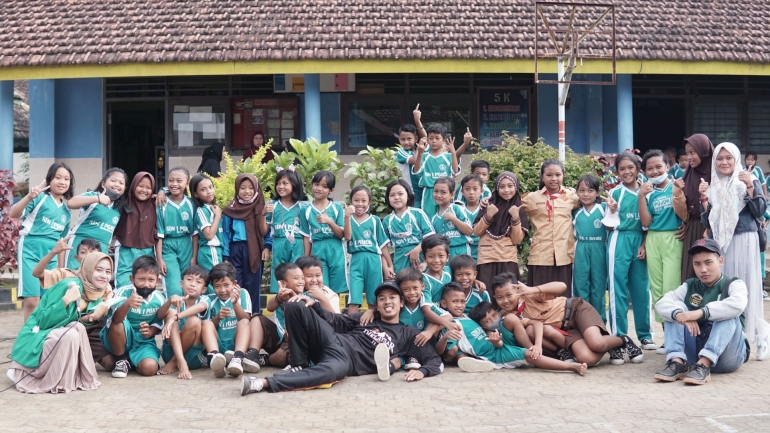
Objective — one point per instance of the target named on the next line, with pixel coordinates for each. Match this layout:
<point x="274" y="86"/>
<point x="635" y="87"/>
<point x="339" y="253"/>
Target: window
<point x="276" y="118"/>
<point x="373" y="120"/>
<point x="198" y="125"/>
<point x="759" y="126"/>
<point x="720" y="122"/>
<point x="452" y="111"/>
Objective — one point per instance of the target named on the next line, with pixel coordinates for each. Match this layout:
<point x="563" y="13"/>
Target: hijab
<point x="250" y="212"/>
<point x="86" y="275"/>
<point x="137" y="225"/>
<point x="692" y="176"/>
<point x="211" y="158"/>
<point x="726" y="197"/>
<point x="501" y="222"/>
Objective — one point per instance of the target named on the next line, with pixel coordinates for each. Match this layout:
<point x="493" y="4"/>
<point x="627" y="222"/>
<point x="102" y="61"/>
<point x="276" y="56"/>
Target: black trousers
<point x="311" y="339"/>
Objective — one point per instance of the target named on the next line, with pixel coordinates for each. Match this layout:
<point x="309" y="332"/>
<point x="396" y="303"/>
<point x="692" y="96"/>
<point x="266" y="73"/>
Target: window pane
<point x="720" y="122"/>
<point x="276" y="118"/>
<point x="452" y="111"/>
<point x="759" y="126"/>
<point x="198" y="125"/>
<point x="374" y="122"/>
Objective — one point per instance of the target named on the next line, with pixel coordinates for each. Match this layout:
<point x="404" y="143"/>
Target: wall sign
<point x="503" y="109"/>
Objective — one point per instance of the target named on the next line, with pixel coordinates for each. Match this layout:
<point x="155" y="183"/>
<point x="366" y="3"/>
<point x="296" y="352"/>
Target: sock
<point x="238" y="354"/>
<point x="123" y="357"/>
<point x="391" y="368"/>
<point x="211" y="355"/>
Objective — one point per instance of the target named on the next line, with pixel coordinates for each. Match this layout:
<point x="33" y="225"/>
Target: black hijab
<point x="501" y="222"/>
<point x="212" y="156"/>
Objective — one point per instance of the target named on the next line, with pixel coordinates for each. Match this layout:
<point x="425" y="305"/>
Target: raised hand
<point x="513" y="211"/>
<point x="62" y="245"/>
<point x="417" y="114"/>
<point x="217" y="210"/>
<point x="350" y="210"/>
<point x="745" y="177"/>
<point x="491" y="210"/>
<point x="35" y="191"/>
<point x="703" y="188"/>
<point x="612" y="205"/>
<point x="645" y="189"/>
<point x="268" y="208"/>
<point x="135" y="301"/>
<point x="679" y="183"/>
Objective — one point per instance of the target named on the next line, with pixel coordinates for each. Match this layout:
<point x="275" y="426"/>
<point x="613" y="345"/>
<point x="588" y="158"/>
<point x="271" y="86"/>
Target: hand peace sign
<point x="35" y="191"/>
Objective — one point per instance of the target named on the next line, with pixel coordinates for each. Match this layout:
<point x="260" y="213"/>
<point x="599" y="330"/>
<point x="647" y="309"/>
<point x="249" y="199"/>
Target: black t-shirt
<point x="360" y="342"/>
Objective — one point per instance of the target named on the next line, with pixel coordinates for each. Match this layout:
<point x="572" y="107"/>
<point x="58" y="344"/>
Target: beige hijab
<point x="86" y="275"/>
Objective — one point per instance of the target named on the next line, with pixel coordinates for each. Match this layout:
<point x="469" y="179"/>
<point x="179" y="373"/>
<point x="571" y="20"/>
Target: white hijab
<point x="726" y="195"/>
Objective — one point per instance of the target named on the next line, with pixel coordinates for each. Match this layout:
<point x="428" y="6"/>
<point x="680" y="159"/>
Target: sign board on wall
<point x="295" y="83"/>
<point x="276" y="118"/>
<point x="503" y="109"/>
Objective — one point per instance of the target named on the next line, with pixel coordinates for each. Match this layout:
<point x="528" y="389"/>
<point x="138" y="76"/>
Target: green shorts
<point x="365" y="276"/>
<point x="335" y="269"/>
<point x="459" y="249"/>
<point x="177" y="253"/>
<point x="225" y="345"/>
<point x="137" y="348"/>
<point x="508" y="357"/>
<point x="124" y="259"/>
<point x="195" y="356"/>
<point x="69" y="260"/>
<point x="31" y="249"/>
<point x="285" y="252"/>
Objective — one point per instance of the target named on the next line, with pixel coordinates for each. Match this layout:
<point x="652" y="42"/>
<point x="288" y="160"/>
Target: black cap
<point x="705" y="244"/>
<point x="388" y="284"/>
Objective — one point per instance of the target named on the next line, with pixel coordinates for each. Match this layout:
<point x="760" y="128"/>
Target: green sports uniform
<point x="227" y="326"/>
<point x="176" y="226"/>
<point x="664" y="250"/>
<point x="405" y="233"/>
<point x="589" y="272"/>
<point x="365" y="247"/>
<point x="287" y="241"/>
<point x="124" y="259"/>
<point x="628" y="274"/>
<point x="402" y="158"/>
<point x="507" y="336"/>
<point x="43" y="223"/>
<point x="137" y="347"/>
<point x="676" y="171"/>
<point x="475" y="297"/>
<point x="209" y="251"/>
<point x="416" y="317"/>
<point x="458" y="242"/>
<point x="460" y="199"/>
<point x="196" y="354"/>
<point x="326" y="245"/>
<point x="96" y="222"/>
<point x="474" y="243"/>
<point x="475" y="343"/>
<point x="434" y="286"/>
<point x="432" y="168"/>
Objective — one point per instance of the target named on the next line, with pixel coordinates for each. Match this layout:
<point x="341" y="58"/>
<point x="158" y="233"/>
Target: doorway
<point x="137" y="138"/>
<point x="659" y="123"/>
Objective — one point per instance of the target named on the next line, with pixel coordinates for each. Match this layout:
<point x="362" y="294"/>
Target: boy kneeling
<point x="704" y="317"/>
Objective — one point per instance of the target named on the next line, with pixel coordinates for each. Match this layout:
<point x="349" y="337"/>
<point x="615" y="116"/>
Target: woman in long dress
<point x="52" y="352"/>
<point x="733" y="203"/>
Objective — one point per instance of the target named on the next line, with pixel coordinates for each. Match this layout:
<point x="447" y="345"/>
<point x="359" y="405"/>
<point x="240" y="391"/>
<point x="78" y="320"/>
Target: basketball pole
<point x="563" y="90"/>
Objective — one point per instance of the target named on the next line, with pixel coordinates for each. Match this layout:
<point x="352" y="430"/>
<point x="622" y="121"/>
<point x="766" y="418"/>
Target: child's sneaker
<point x="251" y="362"/>
<point x="229" y="356"/>
<point x="616" y="356"/>
<point x="217" y="365"/>
<point x="121" y="369"/>
<point x="648" y="344"/>
<point x="661" y="350"/>
<point x="235" y="367"/>
<point x="382" y="359"/>
<point x="473" y="365"/>
<point x="566" y="356"/>
<point x="250" y="385"/>
<point x="633" y="351"/>
<point x="412" y="364"/>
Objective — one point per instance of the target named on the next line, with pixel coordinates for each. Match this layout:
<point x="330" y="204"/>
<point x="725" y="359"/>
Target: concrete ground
<point x="610" y="398"/>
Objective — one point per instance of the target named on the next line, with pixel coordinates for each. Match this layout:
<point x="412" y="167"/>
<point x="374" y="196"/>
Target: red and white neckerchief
<point x="551" y="198"/>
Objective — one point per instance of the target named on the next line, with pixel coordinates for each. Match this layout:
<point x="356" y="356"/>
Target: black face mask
<point x="112" y="195"/>
<point x="144" y="291"/>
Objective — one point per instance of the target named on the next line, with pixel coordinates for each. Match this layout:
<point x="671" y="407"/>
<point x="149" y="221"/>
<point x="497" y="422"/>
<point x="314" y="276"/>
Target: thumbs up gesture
<point x="703" y="188"/>
<point x="745" y="176"/>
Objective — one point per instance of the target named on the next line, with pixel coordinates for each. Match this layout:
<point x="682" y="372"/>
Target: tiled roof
<point x="60" y="32"/>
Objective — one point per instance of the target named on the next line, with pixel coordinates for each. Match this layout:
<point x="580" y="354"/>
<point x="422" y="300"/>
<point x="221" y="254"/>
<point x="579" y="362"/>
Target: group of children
<point x="451" y="249"/>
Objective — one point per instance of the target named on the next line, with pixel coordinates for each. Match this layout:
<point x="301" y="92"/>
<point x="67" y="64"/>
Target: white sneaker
<point x="473" y="365"/>
<point x="250" y="385"/>
<point x="229" y="356"/>
<point x="235" y="367"/>
<point x="412" y="364"/>
<point x="382" y="359"/>
<point x="217" y="365"/>
<point x="121" y="369"/>
<point x="763" y="346"/>
<point x="661" y="350"/>
<point x="765" y="296"/>
<point x="648" y="344"/>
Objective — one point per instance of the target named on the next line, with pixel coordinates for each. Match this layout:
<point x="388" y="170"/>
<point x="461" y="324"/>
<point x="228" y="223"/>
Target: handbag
<point x="762" y="234"/>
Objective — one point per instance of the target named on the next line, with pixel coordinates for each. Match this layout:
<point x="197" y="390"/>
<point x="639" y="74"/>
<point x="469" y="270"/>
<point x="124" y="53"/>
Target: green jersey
<point x="434" y="167"/>
<point x="284" y="221"/>
<point x="226" y="328"/>
<point x="204" y="315"/>
<point x="407" y="172"/>
<point x="407" y="229"/>
<point x="204" y="217"/>
<point x="368" y="236"/>
<point x="628" y="208"/>
<point x="588" y="223"/>
<point x="434" y="286"/>
<point x="472" y="214"/>
<point x="147" y="312"/>
<point x="474" y="342"/>
<point x="448" y="228"/>
<point x="660" y="204"/>
<point x="416" y="317"/>
<point x="475" y="297"/>
<point x="45" y="218"/>
<point x="485" y="193"/>
<point x="676" y="171"/>
<point x="96" y="221"/>
<point x="310" y="227"/>
<point x="177" y="220"/>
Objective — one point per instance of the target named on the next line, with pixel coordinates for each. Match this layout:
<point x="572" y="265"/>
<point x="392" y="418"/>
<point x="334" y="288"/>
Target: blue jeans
<point x="724" y="345"/>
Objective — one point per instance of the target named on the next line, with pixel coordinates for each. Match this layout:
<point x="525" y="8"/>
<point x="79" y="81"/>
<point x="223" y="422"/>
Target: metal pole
<point x="562" y="93"/>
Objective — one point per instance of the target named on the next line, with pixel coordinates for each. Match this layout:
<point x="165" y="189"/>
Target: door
<point x="137" y="137"/>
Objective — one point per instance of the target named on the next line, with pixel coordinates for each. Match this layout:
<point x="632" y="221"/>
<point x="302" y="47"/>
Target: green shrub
<point x="224" y="186"/>
<point x="524" y="158"/>
<point x="311" y="157"/>
<point x="376" y="171"/>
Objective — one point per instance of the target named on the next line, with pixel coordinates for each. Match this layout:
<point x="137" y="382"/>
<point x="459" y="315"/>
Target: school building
<point x="147" y="85"/>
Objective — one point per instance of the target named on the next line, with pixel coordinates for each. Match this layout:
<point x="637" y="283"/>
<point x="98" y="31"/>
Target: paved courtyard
<point x="609" y="399"/>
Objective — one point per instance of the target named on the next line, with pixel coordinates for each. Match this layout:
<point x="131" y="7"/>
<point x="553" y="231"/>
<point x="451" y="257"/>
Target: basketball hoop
<point x="569" y="33"/>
